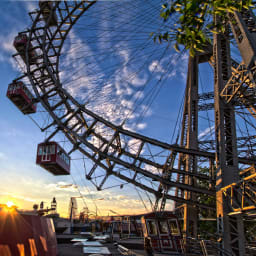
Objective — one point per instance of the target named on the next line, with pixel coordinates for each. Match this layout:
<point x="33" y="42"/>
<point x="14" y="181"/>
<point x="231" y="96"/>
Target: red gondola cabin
<point x="162" y="232"/>
<point x="19" y="94"/>
<point x="53" y="158"/>
<point x="20" y="43"/>
<point x="46" y="8"/>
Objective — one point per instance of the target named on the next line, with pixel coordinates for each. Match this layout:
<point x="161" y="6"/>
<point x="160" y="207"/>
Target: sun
<point x="9" y="204"/>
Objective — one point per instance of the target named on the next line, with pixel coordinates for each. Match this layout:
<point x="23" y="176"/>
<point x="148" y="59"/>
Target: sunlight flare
<point x="9" y="204"/>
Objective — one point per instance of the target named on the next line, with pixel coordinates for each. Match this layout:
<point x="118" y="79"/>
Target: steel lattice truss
<point x="84" y="129"/>
<point x="242" y="195"/>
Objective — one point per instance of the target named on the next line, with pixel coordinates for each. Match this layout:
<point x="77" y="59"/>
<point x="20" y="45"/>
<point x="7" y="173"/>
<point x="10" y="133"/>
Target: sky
<point x="110" y="63"/>
<point x="22" y="181"/>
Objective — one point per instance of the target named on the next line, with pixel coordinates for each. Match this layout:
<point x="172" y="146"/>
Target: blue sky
<point x="25" y="183"/>
<point x="100" y="67"/>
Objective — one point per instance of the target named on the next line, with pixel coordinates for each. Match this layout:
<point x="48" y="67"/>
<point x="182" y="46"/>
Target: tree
<point x="207" y="226"/>
<point x="194" y="21"/>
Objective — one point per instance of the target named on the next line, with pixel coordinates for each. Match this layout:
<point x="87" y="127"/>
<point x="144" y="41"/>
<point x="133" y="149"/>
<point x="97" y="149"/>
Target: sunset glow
<point x="9" y="204"/>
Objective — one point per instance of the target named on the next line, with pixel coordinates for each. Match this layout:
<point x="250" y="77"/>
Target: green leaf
<point x="176" y="47"/>
<point x="193" y="23"/>
<point x="192" y="52"/>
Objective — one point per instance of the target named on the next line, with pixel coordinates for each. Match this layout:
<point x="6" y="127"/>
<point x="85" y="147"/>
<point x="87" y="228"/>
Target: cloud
<point x="11" y="132"/>
<point x="7" y="50"/>
<point x="152" y="169"/>
<point x="30" y="5"/>
<point x="207" y="131"/>
<point x="62" y="186"/>
<point x="141" y="126"/>
<point x="155" y="66"/>
<point x="174" y="66"/>
<point x="2" y="156"/>
<point x="133" y="146"/>
<point x="24" y="198"/>
<point x="6" y="46"/>
<point x="15" y="25"/>
<point x="112" y="99"/>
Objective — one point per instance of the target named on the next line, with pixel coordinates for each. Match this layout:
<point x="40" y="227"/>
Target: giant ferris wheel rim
<point x="46" y="43"/>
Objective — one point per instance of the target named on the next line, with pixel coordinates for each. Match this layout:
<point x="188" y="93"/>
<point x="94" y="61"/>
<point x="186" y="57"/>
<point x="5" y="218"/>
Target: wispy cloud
<point x="2" y="156"/>
<point x="62" y="186"/>
<point x="21" y="197"/>
<point x="30" y="5"/>
<point x="156" y="66"/>
<point x="6" y="47"/>
<point x="174" y="66"/>
<point x="15" y="25"/>
<point x="152" y="169"/>
<point x="207" y="131"/>
<point x="112" y="99"/>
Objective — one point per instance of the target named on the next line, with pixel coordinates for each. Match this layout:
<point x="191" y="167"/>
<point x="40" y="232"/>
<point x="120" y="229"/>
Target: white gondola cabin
<point x="53" y="158"/>
<point x="20" y="43"/>
<point x="20" y="95"/>
<point x="46" y="8"/>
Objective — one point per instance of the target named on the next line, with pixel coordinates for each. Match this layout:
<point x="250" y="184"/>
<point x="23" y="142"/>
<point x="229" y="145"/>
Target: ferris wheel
<point x="85" y="62"/>
<point x="100" y="135"/>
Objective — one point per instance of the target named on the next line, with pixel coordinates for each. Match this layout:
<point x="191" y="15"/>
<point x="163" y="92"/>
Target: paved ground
<point x="70" y="250"/>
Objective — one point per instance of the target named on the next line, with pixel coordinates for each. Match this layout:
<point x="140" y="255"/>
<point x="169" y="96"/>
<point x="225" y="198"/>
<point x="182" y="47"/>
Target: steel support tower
<point x="191" y="120"/>
<point x="189" y="139"/>
<point x="230" y="229"/>
<point x="234" y="84"/>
